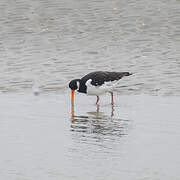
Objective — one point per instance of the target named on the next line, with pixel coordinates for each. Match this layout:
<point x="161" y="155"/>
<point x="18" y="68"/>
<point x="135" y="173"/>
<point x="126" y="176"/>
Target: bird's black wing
<point x="99" y="77"/>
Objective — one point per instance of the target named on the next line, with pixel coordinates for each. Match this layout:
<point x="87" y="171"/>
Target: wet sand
<point x="138" y="138"/>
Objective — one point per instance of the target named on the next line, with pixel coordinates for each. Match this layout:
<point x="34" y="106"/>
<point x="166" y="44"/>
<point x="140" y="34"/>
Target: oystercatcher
<point x="97" y="83"/>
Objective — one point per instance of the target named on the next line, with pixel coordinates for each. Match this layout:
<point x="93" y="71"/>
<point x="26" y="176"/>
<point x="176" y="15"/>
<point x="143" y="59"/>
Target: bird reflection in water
<point x="97" y="122"/>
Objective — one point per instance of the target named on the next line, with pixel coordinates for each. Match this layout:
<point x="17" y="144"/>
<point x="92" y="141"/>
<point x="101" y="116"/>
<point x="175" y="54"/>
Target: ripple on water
<point x="99" y="129"/>
<point x="54" y="42"/>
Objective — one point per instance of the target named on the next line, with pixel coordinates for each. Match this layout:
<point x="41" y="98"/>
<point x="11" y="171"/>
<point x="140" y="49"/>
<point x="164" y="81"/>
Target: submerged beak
<point x="72" y="98"/>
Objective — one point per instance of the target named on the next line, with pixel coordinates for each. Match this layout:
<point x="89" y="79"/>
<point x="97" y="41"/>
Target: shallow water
<point x="44" y="44"/>
<point x="135" y="139"/>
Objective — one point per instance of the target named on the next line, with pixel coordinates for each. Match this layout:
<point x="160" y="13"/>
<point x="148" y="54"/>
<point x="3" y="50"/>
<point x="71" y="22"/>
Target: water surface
<point x="40" y="139"/>
<point x="44" y="44"/>
<point x="48" y="43"/>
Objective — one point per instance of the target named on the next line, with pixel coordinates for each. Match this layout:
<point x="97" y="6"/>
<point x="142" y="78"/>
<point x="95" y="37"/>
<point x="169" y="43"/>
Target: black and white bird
<point x="97" y="83"/>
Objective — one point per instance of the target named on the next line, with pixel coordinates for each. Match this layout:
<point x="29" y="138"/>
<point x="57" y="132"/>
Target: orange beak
<point x="72" y="97"/>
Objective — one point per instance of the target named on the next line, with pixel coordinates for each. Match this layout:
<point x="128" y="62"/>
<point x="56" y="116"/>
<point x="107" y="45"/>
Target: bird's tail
<point x="126" y="73"/>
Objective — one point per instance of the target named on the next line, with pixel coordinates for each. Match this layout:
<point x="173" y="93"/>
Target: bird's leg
<point x="97" y="99"/>
<point x="112" y="98"/>
<point x="112" y="112"/>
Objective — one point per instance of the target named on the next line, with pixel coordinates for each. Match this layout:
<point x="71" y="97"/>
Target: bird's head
<point x="74" y="85"/>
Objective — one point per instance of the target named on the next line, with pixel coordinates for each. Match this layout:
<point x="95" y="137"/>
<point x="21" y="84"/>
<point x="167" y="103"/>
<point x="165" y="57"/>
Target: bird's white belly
<point x="98" y="90"/>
